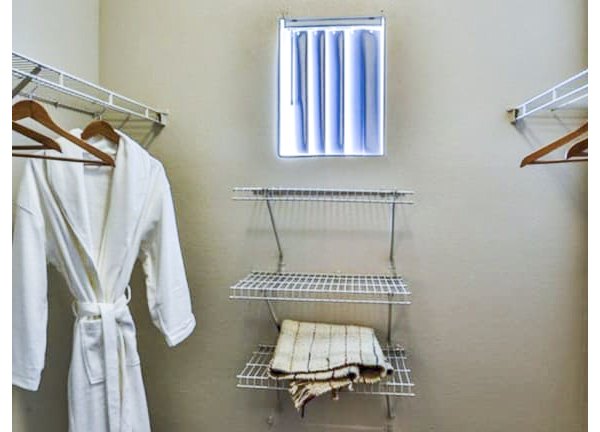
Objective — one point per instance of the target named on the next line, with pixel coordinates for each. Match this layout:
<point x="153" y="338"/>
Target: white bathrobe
<point x="92" y="223"/>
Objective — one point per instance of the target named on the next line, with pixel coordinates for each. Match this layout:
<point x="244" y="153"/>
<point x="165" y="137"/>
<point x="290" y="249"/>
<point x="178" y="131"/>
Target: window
<point x="331" y="87"/>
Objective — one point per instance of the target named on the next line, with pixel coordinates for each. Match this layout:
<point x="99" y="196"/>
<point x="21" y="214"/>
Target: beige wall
<point x="495" y="255"/>
<point x="62" y="33"/>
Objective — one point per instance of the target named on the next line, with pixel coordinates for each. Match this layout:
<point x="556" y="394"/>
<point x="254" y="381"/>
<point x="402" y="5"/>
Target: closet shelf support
<point x="392" y="231"/>
<point x="273" y="314"/>
<point x="390" y="407"/>
<point x="280" y="263"/>
<point x="24" y="82"/>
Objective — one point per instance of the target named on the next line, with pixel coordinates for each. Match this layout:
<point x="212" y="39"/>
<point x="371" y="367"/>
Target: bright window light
<point x="331" y="87"/>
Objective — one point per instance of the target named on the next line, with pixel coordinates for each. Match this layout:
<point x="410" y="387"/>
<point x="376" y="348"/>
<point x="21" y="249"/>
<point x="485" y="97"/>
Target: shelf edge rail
<point x="28" y="70"/>
<point x="562" y="95"/>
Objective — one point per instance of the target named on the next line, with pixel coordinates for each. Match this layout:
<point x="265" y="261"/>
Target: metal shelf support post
<point x="280" y="263"/>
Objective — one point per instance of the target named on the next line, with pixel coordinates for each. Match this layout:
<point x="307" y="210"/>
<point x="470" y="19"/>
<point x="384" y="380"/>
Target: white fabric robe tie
<point x="92" y="224"/>
<point x="115" y="319"/>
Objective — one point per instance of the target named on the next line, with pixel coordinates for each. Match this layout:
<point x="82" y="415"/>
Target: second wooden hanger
<point x="535" y="157"/>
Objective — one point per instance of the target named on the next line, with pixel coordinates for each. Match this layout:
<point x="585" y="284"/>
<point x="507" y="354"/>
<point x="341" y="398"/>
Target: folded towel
<point x="320" y="358"/>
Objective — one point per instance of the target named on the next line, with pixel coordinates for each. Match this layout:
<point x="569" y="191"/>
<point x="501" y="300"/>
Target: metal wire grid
<point x="570" y="92"/>
<point x="381" y="196"/>
<point x="47" y="84"/>
<point x="316" y="287"/>
<point x="255" y="374"/>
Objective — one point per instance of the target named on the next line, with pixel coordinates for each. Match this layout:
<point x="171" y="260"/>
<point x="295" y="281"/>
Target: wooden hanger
<point x="579" y="149"/>
<point x="102" y="128"/>
<point x="533" y="158"/>
<point x="46" y="143"/>
<point x="34" y="110"/>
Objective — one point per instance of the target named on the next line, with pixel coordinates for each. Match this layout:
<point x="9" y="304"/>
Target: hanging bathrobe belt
<point x="114" y="318"/>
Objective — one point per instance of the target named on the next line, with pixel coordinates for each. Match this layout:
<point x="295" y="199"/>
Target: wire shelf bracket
<point x="38" y="81"/>
<point x="568" y="93"/>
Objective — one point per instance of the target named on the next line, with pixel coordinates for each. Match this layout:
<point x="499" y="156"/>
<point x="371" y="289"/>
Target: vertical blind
<point x="331" y="87"/>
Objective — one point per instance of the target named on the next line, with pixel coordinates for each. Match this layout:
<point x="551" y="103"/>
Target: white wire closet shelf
<point x="38" y="81"/>
<point x="255" y="374"/>
<point x="326" y="287"/>
<point x="321" y="287"/>
<point x="572" y="93"/>
<point x="381" y="196"/>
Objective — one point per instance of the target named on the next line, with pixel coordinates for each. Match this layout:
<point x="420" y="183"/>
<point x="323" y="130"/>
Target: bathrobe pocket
<point x="93" y="349"/>
<point x="92" y="344"/>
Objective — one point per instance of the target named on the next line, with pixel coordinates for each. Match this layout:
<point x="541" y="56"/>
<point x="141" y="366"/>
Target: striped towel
<point x="320" y="358"/>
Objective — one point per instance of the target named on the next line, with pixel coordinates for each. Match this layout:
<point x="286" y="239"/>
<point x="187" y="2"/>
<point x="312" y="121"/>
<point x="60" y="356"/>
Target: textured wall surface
<point x="495" y="255"/>
<point x="64" y="34"/>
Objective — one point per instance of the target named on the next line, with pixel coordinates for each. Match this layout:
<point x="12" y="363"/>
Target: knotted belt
<point x="113" y="317"/>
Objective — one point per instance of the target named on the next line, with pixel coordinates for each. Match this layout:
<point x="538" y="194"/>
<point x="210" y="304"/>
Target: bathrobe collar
<point x="127" y="196"/>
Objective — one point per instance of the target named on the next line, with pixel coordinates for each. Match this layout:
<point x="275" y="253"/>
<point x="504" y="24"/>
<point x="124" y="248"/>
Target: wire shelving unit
<point x="322" y="287"/>
<point x="255" y="374"/>
<point x="389" y="289"/>
<point x="35" y="80"/>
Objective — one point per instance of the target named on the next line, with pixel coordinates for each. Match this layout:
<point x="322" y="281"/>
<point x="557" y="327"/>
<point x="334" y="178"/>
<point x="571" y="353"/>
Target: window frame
<point x="379" y="21"/>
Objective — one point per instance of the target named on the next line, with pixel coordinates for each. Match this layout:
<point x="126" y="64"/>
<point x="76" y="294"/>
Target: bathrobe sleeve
<point x="29" y="295"/>
<point x="167" y="289"/>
